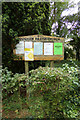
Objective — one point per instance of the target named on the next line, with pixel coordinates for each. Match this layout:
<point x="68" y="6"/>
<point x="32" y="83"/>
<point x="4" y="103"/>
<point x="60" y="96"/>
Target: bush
<point x="51" y="92"/>
<point x="12" y="82"/>
<point x="54" y="92"/>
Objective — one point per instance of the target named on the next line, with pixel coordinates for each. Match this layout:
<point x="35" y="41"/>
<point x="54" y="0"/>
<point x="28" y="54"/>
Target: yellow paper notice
<point x="29" y="56"/>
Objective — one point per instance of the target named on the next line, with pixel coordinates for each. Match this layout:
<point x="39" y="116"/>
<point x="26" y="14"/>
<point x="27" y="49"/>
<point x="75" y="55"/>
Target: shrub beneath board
<point x="53" y="92"/>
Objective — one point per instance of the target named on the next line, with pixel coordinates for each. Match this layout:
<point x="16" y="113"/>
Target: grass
<point x="14" y="107"/>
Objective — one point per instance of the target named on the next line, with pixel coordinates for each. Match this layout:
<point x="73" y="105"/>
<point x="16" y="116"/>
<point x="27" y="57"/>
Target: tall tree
<point x="74" y="34"/>
<point x="61" y="24"/>
<point x="19" y="19"/>
<point x="57" y="20"/>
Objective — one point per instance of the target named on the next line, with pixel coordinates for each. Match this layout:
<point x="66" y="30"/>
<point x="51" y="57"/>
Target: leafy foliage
<point x="51" y="92"/>
<point x="69" y="52"/>
<point x="57" y="20"/>
<point x="66" y="25"/>
<point x="29" y="18"/>
<point x="12" y="82"/>
<point x="74" y="33"/>
<point x="54" y="92"/>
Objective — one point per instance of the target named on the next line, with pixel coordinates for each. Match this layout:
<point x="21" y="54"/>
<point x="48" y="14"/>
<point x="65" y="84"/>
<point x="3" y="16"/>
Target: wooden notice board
<point x="40" y="47"/>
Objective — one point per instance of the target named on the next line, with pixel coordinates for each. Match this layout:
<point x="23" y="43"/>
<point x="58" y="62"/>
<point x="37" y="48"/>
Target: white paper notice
<point x="20" y="48"/>
<point x="48" y="48"/>
<point x="28" y="44"/>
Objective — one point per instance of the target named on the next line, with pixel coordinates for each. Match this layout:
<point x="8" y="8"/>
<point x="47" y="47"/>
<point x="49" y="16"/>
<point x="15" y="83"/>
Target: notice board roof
<point x="41" y="38"/>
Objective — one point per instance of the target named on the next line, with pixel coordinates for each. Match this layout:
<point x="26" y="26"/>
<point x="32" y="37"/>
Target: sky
<point x="72" y="10"/>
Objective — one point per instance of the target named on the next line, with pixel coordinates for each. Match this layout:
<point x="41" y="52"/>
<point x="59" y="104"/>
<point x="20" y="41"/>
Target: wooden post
<point x="26" y="72"/>
<point x="51" y="63"/>
<point x="26" y="67"/>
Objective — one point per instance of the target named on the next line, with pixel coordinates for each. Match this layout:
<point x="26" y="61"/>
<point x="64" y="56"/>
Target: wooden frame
<point x="43" y="39"/>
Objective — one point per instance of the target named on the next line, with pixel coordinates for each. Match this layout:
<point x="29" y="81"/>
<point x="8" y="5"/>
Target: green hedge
<point x="54" y="92"/>
<point x="51" y="92"/>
